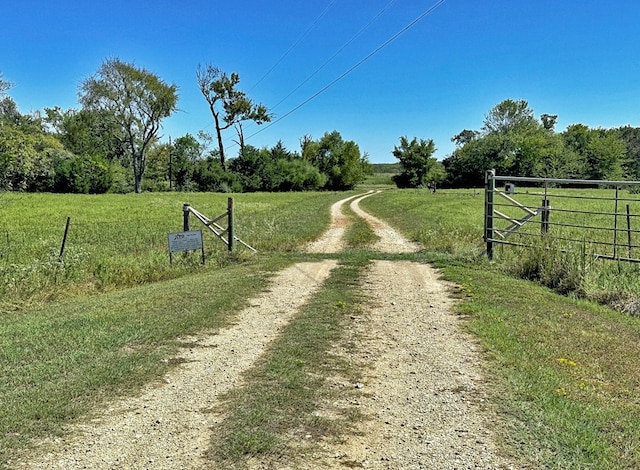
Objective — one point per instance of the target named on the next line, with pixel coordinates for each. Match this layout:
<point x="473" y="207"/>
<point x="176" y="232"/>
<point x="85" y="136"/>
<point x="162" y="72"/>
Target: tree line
<point x="516" y="143"/>
<point x="112" y="143"/>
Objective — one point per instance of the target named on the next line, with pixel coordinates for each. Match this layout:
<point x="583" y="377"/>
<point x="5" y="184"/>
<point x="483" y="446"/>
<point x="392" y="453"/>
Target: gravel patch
<point x="332" y="241"/>
<point x="421" y="393"/>
<point x="168" y="425"/>
<point x="390" y="241"/>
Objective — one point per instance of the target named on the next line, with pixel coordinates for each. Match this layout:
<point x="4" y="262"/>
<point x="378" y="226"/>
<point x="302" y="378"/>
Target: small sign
<point x="185" y="241"/>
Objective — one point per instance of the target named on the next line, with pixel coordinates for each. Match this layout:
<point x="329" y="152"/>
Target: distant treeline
<point x="110" y="144"/>
<point x="513" y="142"/>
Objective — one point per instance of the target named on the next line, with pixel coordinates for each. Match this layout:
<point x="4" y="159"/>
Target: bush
<point x="209" y="175"/>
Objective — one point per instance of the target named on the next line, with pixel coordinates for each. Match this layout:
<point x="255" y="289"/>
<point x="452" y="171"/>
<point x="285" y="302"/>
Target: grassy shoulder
<point x="60" y="360"/>
<point x="564" y="372"/>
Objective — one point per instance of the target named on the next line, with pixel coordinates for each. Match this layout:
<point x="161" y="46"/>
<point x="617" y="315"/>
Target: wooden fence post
<point x="489" y="188"/>
<point x="185" y="217"/>
<point x="230" y="223"/>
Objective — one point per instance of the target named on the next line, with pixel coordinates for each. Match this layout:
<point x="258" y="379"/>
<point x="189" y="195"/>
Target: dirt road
<point x="422" y="395"/>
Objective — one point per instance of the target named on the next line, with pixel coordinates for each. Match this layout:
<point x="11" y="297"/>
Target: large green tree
<point x="418" y="167"/>
<point x="88" y="133"/>
<point x="602" y="150"/>
<point x="137" y="101"/>
<point x="340" y="160"/>
<point x="228" y="105"/>
<point x="511" y="141"/>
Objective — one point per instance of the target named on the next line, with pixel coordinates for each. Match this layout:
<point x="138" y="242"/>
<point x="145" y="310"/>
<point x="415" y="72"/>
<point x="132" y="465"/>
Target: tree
<point x="631" y="137"/>
<point x="603" y="151"/>
<point x="137" y="101"/>
<point x="228" y="105"/>
<point x="26" y="149"/>
<point x="4" y="85"/>
<point x="507" y="116"/>
<point x="511" y="141"/>
<point x="338" y="159"/>
<point x="88" y="133"/>
<point x="419" y="168"/>
<point x="186" y="151"/>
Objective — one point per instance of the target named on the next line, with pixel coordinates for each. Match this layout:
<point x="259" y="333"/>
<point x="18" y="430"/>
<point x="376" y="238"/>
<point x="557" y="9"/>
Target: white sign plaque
<point x="185" y="241"/>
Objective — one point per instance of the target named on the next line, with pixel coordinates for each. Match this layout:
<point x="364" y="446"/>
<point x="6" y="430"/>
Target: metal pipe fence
<point x="598" y="215"/>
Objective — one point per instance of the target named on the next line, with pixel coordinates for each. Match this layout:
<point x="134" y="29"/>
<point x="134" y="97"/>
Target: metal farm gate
<point x="601" y="217"/>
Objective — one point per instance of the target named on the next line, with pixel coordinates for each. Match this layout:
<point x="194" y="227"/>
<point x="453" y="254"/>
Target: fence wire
<point x="601" y="217"/>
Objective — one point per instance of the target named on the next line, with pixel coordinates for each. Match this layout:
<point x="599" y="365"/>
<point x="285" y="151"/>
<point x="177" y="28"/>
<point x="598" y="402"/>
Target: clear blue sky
<point x="577" y="59"/>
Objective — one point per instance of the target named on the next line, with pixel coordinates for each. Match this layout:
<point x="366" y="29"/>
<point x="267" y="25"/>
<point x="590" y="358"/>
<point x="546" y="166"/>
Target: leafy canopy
<point x="136" y="100"/>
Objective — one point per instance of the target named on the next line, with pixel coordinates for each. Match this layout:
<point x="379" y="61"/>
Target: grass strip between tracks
<point x="276" y="404"/>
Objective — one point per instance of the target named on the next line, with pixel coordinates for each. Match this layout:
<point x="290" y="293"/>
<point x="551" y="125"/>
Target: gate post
<point x="489" y="188"/>
<point x="185" y="217"/>
<point x="230" y="227"/>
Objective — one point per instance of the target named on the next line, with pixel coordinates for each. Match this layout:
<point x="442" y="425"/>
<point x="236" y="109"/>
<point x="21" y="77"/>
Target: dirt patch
<point x="332" y="241"/>
<point x="389" y="241"/>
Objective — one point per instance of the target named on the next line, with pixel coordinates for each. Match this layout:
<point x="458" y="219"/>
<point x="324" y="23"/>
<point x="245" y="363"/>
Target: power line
<point x="358" y="64"/>
<point x="293" y="46"/>
<point x="344" y="46"/>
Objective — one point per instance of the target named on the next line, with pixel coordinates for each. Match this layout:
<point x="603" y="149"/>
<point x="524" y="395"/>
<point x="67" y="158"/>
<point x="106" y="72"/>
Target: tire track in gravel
<point x="422" y="394"/>
<point x="168" y="425"/>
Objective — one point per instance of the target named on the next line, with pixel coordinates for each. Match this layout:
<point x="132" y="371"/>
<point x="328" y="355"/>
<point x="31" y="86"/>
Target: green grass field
<point x="118" y="241"/>
<point x="562" y="372"/>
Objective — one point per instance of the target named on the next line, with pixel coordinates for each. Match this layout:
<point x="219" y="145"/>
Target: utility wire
<point x="344" y="46"/>
<point x="362" y="61"/>
<point x="293" y="46"/>
<point x="330" y="59"/>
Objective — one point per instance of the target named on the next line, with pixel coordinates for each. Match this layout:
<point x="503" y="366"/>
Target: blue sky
<point x="577" y="59"/>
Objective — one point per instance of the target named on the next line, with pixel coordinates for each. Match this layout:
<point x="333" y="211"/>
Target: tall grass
<point x="119" y="241"/>
<point x="450" y="226"/>
<point x="446" y="223"/>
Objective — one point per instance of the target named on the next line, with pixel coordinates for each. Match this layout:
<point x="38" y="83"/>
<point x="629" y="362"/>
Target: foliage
<point x="276" y="169"/>
<point x="90" y="132"/>
<point x="338" y="159"/>
<point x="603" y="150"/>
<point x="84" y="175"/>
<point x="228" y="105"/>
<point x="185" y="153"/>
<point x="209" y="175"/>
<point x="137" y="101"/>
<point x="25" y="151"/>
<point x="4" y="85"/>
<point x="419" y="169"/>
<point x="513" y="142"/>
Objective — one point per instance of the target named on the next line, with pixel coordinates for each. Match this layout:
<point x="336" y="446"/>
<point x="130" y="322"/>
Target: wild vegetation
<point x="117" y="241"/>
<point x="96" y="321"/>
<point x="111" y="144"/>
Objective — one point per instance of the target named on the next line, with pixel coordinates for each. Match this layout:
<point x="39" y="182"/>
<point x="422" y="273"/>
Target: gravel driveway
<point x="422" y="394"/>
